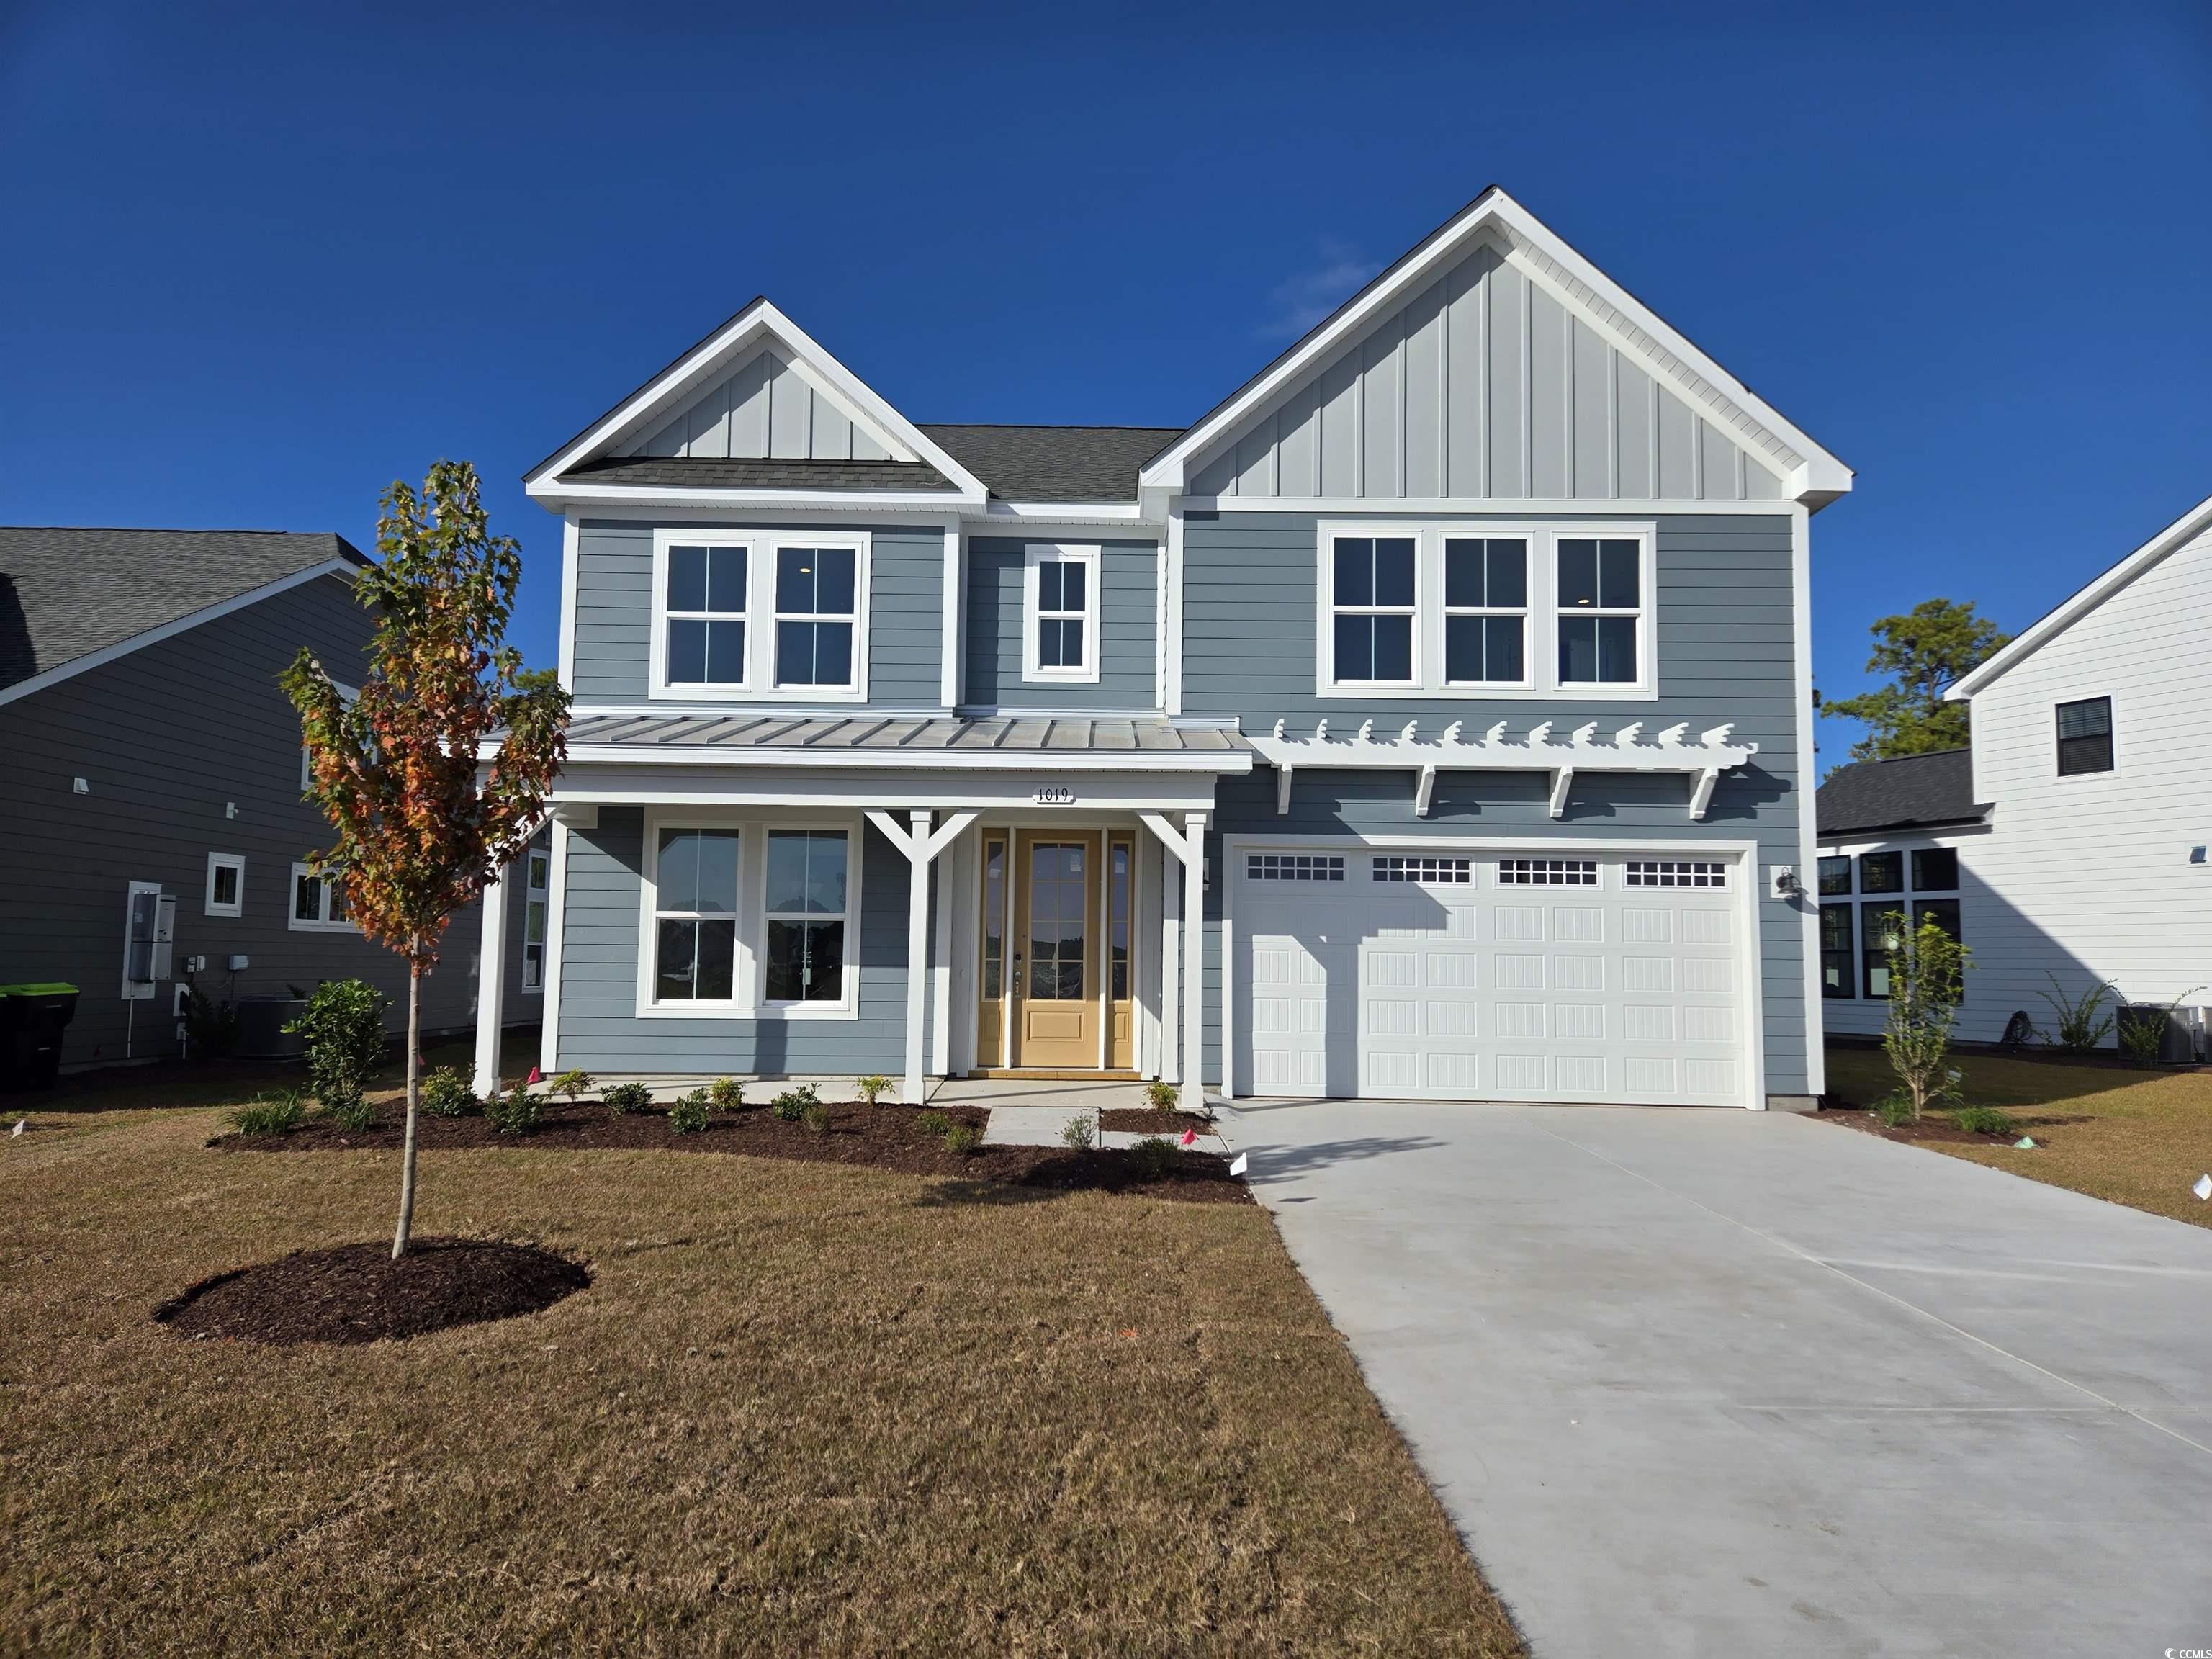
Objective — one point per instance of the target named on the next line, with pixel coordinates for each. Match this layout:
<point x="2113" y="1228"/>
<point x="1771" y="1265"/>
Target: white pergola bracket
<point x="1283" y="790"/>
<point x="1424" y="789"/>
<point x="920" y="845"/>
<point x="1701" y="793"/>
<point x="1563" y="778"/>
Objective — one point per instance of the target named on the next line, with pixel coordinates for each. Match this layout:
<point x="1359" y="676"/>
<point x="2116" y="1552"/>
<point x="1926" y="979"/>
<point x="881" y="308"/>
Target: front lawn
<point x="802" y="1407"/>
<point x="2140" y="1137"/>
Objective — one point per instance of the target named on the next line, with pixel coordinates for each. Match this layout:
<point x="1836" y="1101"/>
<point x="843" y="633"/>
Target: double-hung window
<point x="1059" y="614"/>
<point x="816" y="618"/>
<point x="318" y="903"/>
<point x="1836" y="951"/>
<point x="1600" y="595"/>
<point x="705" y="619"/>
<point x="2085" y="736"/>
<point x="1372" y="600"/>
<point x="1485" y="611"/>
<point x="695" y="916"/>
<point x="806" y="915"/>
<point x="756" y="616"/>
<point x="536" y="889"/>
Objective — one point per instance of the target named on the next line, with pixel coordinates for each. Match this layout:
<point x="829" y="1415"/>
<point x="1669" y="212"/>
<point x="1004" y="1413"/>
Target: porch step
<point x="1047" y="1074"/>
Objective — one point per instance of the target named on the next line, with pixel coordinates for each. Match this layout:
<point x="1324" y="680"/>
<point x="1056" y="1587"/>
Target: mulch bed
<point x="876" y="1137"/>
<point x="1145" y="1121"/>
<point x="357" y="1293"/>
<point x="1938" y="1125"/>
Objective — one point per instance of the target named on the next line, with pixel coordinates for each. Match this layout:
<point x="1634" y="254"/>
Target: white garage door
<point x="1618" y="977"/>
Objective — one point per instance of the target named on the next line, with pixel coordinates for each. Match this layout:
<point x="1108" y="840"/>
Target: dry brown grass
<point x="2136" y="1138"/>
<point x="803" y="1409"/>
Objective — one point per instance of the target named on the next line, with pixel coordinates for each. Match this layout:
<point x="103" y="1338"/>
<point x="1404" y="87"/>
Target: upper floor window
<point x="1371" y="603"/>
<point x="1059" y="615"/>
<point x="1601" y="610"/>
<point x="318" y="903"/>
<point x="2085" y="736"/>
<point x="760" y="616"/>
<point x="1535" y="611"/>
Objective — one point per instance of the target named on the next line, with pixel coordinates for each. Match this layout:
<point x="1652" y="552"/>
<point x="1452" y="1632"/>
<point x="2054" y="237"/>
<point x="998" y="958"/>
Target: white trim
<point x="953" y="629"/>
<point x="491" y="984"/>
<point x="762" y="550"/>
<point x="169" y="630"/>
<point x="670" y="502"/>
<point x="1800" y="641"/>
<point x="1615" y="313"/>
<point x="1034" y="557"/>
<point x="549" y="1046"/>
<point x="571" y="537"/>
<point x="755" y="326"/>
<point x="743" y="971"/>
<point x="1743" y="854"/>
<point x="1171" y="618"/>
<point x="1539" y="638"/>
<point x="223" y="861"/>
<point x="1504" y="508"/>
<point x="2171" y="539"/>
<point x="1113" y="512"/>
<point x="322" y="921"/>
<point x="797" y="790"/>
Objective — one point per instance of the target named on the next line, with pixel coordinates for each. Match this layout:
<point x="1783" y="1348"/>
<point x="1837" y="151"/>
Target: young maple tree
<point x="422" y="825"/>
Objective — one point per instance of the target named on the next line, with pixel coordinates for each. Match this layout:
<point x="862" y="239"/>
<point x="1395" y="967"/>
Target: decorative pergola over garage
<point x="1702" y="761"/>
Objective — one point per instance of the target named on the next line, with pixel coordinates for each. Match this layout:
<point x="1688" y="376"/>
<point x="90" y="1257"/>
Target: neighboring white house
<point x="2071" y="841"/>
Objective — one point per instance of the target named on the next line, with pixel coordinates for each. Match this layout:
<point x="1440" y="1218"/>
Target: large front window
<point x="806" y="883"/>
<point x="1372" y="601"/>
<point x="753" y="616"/>
<point x="1601" y="609"/>
<point x="815" y="596"/>
<point x="695" y="916"/>
<point x="1485" y="611"/>
<point x="706" y="616"/>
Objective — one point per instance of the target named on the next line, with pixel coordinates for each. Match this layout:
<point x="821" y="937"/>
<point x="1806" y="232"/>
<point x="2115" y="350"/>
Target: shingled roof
<point x="1055" y="463"/>
<point x="66" y="594"/>
<point x="1913" y="792"/>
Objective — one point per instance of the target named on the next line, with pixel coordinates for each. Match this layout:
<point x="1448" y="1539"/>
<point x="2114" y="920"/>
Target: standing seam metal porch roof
<point x="895" y="736"/>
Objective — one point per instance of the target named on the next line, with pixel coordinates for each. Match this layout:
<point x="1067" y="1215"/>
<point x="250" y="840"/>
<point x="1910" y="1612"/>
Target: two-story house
<point x="2066" y="848"/>
<point x="1429" y="719"/>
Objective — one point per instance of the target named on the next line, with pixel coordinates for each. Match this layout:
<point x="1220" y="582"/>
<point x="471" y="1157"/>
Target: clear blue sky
<point x="260" y="260"/>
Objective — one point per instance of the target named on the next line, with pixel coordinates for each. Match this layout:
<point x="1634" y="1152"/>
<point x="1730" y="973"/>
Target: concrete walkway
<point x="1745" y="1383"/>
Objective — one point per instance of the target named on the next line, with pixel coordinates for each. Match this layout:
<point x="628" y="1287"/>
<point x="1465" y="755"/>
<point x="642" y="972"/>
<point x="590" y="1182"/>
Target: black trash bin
<point x="32" y="1020"/>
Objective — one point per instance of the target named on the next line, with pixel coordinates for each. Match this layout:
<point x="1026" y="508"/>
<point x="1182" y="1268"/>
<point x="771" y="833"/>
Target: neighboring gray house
<point x="1430" y="719"/>
<point x="146" y="746"/>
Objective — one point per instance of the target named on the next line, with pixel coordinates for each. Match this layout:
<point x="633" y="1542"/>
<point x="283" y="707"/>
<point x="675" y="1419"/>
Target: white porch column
<point x="491" y="985"/>
<point x="1170" y="980"/>
<point x="1194" y="943"/>
<point x="922" y="846"/>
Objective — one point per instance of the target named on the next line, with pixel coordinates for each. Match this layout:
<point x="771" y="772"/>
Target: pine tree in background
<point x="1923" y="650"/>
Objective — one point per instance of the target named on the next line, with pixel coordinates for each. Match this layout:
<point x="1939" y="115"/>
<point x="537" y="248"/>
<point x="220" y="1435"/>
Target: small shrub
<point x="2084" y="1022"/>
<point x="727" y="1094"/>
<point x="1926" y="980"/>
<point x="445" y="1093"/>
<point x="687" y="1114"/>
<point x="932" y="1123"/>
<point x="963" y="1139"/>
<point x="516" y="1112"/>
<point x="2143" y="1026"/>
<point x="1077" y="1133"/>
<point x="572" y="1082"/>
<point x="872" y="1088"/>
<point x="1161" y="1094"/>
<point x="791" y="1105"/>
<point x="816" y="1119"/>
<point x="1154" y="1156"/>
<point x="622" y="1097"/>
<point x="1985" y="1121"/>
<point x="214" y="1027"/>
<point x="1895" y="1108"/>
<point x="275" y="1115"/>
<point x="344" y="1025"/>
<point x="351" y="1113"/>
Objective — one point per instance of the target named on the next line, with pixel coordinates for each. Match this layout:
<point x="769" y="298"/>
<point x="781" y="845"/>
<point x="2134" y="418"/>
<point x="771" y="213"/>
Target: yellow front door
<point x="1053" y="976"/>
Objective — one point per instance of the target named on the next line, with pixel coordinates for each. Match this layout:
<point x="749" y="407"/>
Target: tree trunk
<point x="407" y="1160"/>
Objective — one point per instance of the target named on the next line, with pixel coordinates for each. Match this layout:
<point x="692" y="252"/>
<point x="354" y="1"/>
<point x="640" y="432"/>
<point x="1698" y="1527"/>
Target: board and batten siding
<point x="1485" y="385"/>
<point x="614" y="609"/>
<point x="1128" y="624"/>
<point x="602" y="935"/>
<point x="766" y="408"/>
<point x="167" y="739"/>
<point x="1724" y="637"/>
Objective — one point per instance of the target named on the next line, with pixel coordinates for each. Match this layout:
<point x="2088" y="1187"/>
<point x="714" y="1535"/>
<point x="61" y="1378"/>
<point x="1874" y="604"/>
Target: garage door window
<point x="1547" y="872"/>
<point x="1449" y="872"/>
<point x="1675" y="872"/>
<point x="1294" y="867"/>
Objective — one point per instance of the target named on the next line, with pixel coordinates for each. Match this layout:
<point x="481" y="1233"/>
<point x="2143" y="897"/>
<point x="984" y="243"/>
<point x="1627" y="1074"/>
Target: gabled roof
<point x="737" y="473"/>
<point x="1810" y="473"/>
<point x="73" y="598"/>
<point x="1913" y="792"/>
<point x="2177" y="535"/>
<point x="758" y="325"/>
<point x="1056" y="463"/>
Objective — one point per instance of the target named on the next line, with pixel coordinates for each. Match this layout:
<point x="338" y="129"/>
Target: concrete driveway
<point x="1744" y="1384"/>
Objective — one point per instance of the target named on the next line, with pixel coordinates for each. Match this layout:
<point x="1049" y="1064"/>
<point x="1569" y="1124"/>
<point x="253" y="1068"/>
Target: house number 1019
<point x="1053" y="794"/>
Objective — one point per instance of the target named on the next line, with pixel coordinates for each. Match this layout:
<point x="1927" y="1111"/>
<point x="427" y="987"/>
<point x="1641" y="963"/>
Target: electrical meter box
<point x="153" y="929"/>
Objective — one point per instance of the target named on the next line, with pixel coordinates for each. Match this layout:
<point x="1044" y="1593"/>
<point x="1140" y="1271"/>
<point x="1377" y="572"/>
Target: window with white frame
<point x="318" y="903"/>
<point x="1600" y="598"/>
<point x="695" y="916"/>
<point x="758" y="617"/>
<point x="1485" y="611"/>
<point x="806" y="915"/>
<point x="1372" y="587"/>
<point x="704" y="614"/>
<point x="1059" y="614"/>
<point x="536" y="891"/>
<point x="347" y="694"/>
<point x="226" y="884"/>
<point x="816" y="617"/>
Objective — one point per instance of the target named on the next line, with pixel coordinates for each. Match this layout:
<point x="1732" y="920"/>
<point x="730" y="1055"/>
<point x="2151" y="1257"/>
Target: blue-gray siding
<point x="601" y="1031"/>
<point x="1128" y="623"/>
<point x="764" y="408"/>
<point x="166" y="738"/>
<point x="614" y="611"/>
<point x="1725" y="644"/>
